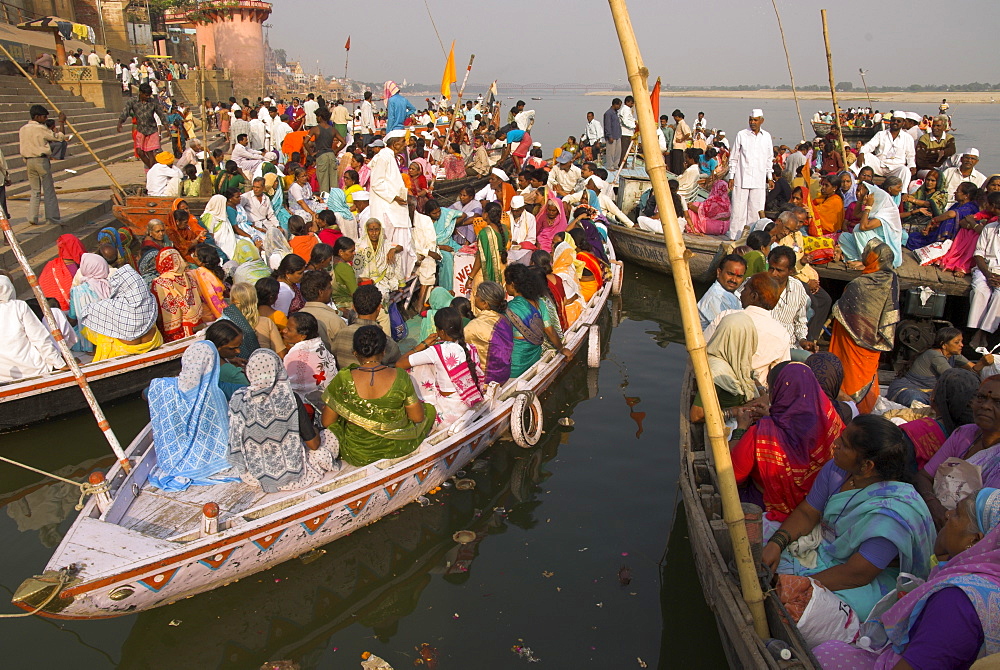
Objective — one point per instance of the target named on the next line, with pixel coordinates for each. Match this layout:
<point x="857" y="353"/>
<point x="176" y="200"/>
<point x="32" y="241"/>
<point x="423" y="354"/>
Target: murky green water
<point x="554" y="526"/>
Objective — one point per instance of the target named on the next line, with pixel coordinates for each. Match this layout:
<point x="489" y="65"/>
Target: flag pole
<point x="693" y="335"/>
<point x="347" y="58"/>
<point x="461" y="92"/>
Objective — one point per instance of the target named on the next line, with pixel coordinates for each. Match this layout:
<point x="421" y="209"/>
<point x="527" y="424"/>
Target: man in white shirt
<point x="626" y="114"/>
<point x="522" y="223"/>
<point x="966" y="171"/>
<point x="984" y="301"/>
<point x="890" y="153"/>
<point x="246" y="158"/>
<point x="564" y="176"/>
<point x="700" y="122"/>
<point x="258" y="207"/>
<point x="912" y="125"/>
<point x="795" y="160"/>
<point x="791" y="310"/>
<point x="360" y="207"/>
<point x="163" y="179"/>
<point x="93" y="59"/>
<point x="310" y="106"/>
<point x="593" y="132"/>
<point x="257" y="134"/>
<point x="749" y="173"/>
<point x="280" y="130"/>
<point x="389" y="199"/>
<point x="367" y="128"/>
<point x="687" y="181"/>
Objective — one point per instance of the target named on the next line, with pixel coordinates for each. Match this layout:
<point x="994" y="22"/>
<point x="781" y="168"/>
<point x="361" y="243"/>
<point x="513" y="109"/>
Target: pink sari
<point x="458" y="371"/>
<point x="959" y="256"/>
<point x="710" y="217"/>
<point x="546" y="227"/>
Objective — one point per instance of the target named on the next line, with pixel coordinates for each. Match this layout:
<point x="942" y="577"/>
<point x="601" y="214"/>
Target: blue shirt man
<point x="721" y="295"/>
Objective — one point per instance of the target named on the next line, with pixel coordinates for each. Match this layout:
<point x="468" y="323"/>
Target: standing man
<point x="239" y="126"/>
<point x="34" y="139"/>
<point x="721" y="295"/>
<point x="310" y="106"/>
<point x="339" y="116"/>
<point x="146" y="112"/>
<point x="93" y="59"/>
<point x="613" y="135"/>
<point x="682" y="135"/>
<point x="890" y="153"/>
<point x="627" y="117"/>
<point x="388" y="200"/>
<point x="367" y="120"/>
<point x="749" y="173"/>
<point x="592" y="134"/>
<point x="324" y="142"/>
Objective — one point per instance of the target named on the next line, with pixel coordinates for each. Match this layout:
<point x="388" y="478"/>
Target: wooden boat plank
<point x="165" y="514"/>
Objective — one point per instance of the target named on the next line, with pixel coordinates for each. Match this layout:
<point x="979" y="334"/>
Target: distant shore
<point x="983" y="97"/>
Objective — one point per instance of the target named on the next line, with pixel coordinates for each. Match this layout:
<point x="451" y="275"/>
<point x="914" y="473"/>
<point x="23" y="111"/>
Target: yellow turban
<point x="165" y="158"/>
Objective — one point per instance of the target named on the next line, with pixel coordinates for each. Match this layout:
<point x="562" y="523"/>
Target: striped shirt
<point x="791" y="312"/>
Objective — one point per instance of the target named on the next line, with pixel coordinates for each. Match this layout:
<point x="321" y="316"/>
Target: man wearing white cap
<point x="911" y="124"/>
<point x="890" y="153"/>
<point x="362" y="211"/>
<point x="522" y="231"/>
<point x="749" y="173"/>
<point x="564" y="177"/>
<point x="966" y="171"/>
<point x="388" y="199"/>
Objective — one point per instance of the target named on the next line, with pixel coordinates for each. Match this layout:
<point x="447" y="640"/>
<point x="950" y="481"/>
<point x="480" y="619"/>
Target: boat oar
<point x="693" y="336"/>
<point x="53" y="105"/>
<point x="81" y="379"/>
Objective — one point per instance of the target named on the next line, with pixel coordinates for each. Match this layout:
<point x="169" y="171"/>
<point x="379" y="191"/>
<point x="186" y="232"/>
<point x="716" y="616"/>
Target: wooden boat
<point x="39" y="398"/>
<point x="647" y="249"/>
<point x="850" y="134"/>
<point x="135" y="210"/>
<point x="712" y="550"/>
<point x="149" y="547"/>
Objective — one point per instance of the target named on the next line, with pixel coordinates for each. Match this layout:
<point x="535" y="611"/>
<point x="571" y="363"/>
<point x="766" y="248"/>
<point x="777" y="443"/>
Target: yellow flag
<point x="449" y="74"/>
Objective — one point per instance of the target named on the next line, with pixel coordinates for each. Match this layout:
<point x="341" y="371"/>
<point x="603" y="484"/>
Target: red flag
<point x="348" y="45"/>
<point x="654" y="100"/>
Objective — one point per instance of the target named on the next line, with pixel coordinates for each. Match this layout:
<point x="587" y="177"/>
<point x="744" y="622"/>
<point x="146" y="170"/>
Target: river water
<point x="554" y="525"/>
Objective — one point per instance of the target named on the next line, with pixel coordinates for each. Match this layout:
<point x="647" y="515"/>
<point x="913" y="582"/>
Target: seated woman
<point x="249" y="265"/>
<point x="874" y="525"/>
<point x="228" y="339"/>
<point x="564" y="267"/>
<point x="28" y="350"/>
<point x="300" y="196"/>
<point x="56" y="278"/>
<point x="155" y="242"/>
<point x="976" y="443"/>
<point x="951" y="407"/>
<point x="829" y="373"/>
<point x="190" y="422"/>
<point x="310" y="366"/>
<point x="303" y="237"/>
<point x="276" y="246"/>
<point x="124" y="323"/>
<point x="711" y="216"/>
<point x="446" y="368"/>
<point x="729" y="356"/>
<point x="90" y="284"/>
<point x="945" y="226"/>
<point x="879" y="219"/>
<point x="211" y="280"/>
<point x="928" y="201"/>
<point x="267" y="296"/>
<point x="491" y="333"/>
<point x="219" y="231"/>
<point x="177" y="295"/>
<point x="289" y="274"/>
<point x="258" y="331"/>
<point x="557" y="291"/>
<point x="376" y="259"/>
<point x="345" y="282"/>
<point x="595" y="271"/>
<point x="272" y="436"/>
<point x="780" y="455"/>
<point x="959" y="259"/>
<point x="492" y="241"/>
<point x="949" y="621"/>
<point x="829" y="206"/>
<point x="530" y="318"/>
<point x="373" y="409"/>
<point x="944" y="354"/>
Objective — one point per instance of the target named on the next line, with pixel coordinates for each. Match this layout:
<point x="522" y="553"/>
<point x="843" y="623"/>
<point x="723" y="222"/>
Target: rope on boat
<point x="86" y="488"/>
<point x="64" y="579"/>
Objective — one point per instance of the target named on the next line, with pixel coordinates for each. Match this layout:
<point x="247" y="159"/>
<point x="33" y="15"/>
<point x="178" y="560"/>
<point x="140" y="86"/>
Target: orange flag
<point x="449" y="73"/>
<point x="348" y="45"/>
<point x="654" y="100"/>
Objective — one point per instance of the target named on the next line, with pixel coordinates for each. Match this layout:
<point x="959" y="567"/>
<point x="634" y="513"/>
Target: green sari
<point x="370" y="430"/>
<point x="529" y="334"/>
<point x="490" y="249"/>
<point x="345" y="283"/>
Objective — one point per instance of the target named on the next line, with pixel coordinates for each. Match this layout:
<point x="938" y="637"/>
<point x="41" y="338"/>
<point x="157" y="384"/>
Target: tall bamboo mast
<point x="833" y="88"/>
<point x="694" y="338"/>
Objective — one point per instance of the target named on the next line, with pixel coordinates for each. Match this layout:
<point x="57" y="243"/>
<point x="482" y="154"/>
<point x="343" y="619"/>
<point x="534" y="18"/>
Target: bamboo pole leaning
<point x="81" y="379"/>
<point x="694" y="338"/>
<point x="833" y="89"/>
<point x="788" y="60"/>
<point x="78" y="134"/>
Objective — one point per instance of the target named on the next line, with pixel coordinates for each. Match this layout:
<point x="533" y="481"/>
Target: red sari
<point x="56" y="279"/>
<point x="559" y="298"/>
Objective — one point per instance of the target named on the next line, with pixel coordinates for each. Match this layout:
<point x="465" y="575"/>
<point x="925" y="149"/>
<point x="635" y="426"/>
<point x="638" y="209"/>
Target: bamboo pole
<point x="833" y="88"/>
<point x="458" y="105"/>
<point x="694" y="338"/>
<point x="81" y="379"/>
<point x="78" y="134"/>
<point x="788" y="60"/>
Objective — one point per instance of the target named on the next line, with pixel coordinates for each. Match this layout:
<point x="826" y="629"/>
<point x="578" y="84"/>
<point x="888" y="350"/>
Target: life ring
<point x="594" y="346"/>
<point x="617" y="278"/>
<point x="526" y="419"/>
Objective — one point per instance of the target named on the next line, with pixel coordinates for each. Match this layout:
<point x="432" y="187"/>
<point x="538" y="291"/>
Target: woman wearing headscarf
<point x="177" y="295"/>
<point x="156" y="241"/>
<point x="594" y="272"/>
<point x="121" y="239"/>
<point x="829" y="373"/>
<point x="710" y="217"/>
<point x="945" y="225"/>
<point x="211" y="280"/>
<point x="730" y="351"/>
<point x="865" y="321"/>
<point x="125" y="322"/>
<point x="950" y="620"/>
<point x="242" y="319"/>
<point x="491" y="246"/>
<point x="439" y="299"/>
<point x="190" y="421"/>
<point x="215" y="220"/>
<point x="491" y="333"/>
<point x="250" y="266"/>
<point x="565" y="266"/>
<point x="56" y="278"/>
<point x="550" y="221"/>
<point x="777" y="458"/>
<point x="90" y="284"/>
<point x="336" y="202"/>
<point x="27" y="349"/>
<point x="828" y="206"/>
<point x="928" y="201"/>
<point x="951" y="404"/>
<point x="276" y="247"/>
<point x="848" y="189"/>
<point x="879" y="221"/>
<point x="309" y="364"/>
<point x="272" y="438"/>
<point x="183" y="230"/>
<point x="375" y="259"/>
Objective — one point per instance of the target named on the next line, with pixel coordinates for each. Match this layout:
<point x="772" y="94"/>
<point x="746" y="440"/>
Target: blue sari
<point x="529" y="333"/>
<point x="444" y="226"/>
<point x="278" y="204"/>
<point x="190" y="419"/>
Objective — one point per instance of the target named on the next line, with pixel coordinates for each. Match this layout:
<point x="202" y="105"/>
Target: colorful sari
<point x="492" y="335"/>
<point x="829" y="213"/>
<point x="591" y="285"/>
<point x="56" y="279"/>
<point x="183" y="238"/>
<point x="890" y="231"/>
<point x="444" y="227"/>
<point x="373" y="262"/>
<point x="783" y="452"/>
<point x="547" y="228"/>
<point x="370" y="430"/>
<point x="190" y="421"/>
<point x="121" y="239"/>
<point x="947" y="230"/>
<point x="177" y="295"/>
<point x="250" y="342"/>
<point x="564" y="265"/>
<point x="490" y="249"/>
<point x="528" y="334"/>
<point x="251" y="266"/>
<point x="890" y="510"/>
<point x="963" y="250"/>
<point x="212" y="292"/>
<point x="710" y="217"/>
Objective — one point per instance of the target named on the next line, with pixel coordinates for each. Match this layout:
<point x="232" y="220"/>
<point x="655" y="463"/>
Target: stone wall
<point x="93" y="84"/>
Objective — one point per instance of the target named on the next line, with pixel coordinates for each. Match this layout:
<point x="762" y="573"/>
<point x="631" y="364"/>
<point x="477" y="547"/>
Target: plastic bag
<point x="932" y="252"/>
<point x="956" y="479"/>
<point x="823" y="616"/>
<point x="397" y="324"/>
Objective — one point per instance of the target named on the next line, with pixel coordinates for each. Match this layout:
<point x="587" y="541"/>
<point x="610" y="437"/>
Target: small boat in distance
<point x="850" y="134"/>
<point x="536" y="98"/>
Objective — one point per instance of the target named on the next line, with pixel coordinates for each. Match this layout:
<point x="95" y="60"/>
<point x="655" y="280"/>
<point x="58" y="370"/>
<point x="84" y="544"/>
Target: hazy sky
<point x="562" y="41"/>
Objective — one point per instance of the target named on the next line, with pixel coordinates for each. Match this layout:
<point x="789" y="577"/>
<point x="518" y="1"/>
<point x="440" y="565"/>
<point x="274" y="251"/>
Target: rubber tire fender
<point x="526" y="419"/>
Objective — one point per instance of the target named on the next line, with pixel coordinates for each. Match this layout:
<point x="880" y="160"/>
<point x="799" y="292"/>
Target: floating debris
<point x="423" y="500"/>
<point x="465" y="484"/>
<point x="547" y="574"/>
<point x="642" y="663"/>
<point x="464" y="536"/>
<point x="174" y="622"/>
<point x="280" y="665"/>
<point x="370" y="661"/>
<point x="524" y="652"/>
<point x="566" y="421"/>
<point x="625" y="575"/>
<point x="311" y="556"/>
<point x="427" y="655"/>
